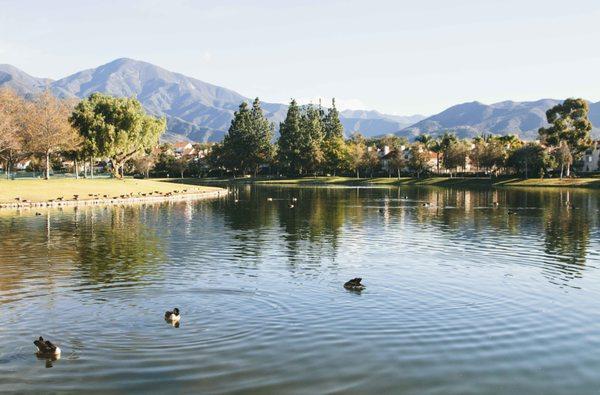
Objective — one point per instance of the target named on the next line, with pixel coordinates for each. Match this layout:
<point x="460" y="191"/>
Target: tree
<point x="116" y="128"/>
<point x="397" y="161"/>
<point x="530" y="158"/>
<point x="570" y="125"/>
<point x="419" y="159"/>
<point x="289" y="143"/>
<point x="144" y="163"/>
<point x="247" y="144"/>
<point x="179" y="165"/>
<point x="332" y="126"/>
<point x="11" y="127"/>
<point x="47" y="128"/>
<point x="493" y="154"/>
<point x="563" y="157"/>
<point x="446" y="142"/>
<point x="334" y="148"/>
<point x="311" y="139"/>
<point x="371" y="160"/>
<point x="335" y="154"/>
<point x="456" y="154"/>
<point x="356" y="153"/>
<point x="262" y="151"/>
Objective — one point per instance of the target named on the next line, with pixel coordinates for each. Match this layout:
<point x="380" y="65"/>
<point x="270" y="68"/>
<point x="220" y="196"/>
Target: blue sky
<point x="399" y="57"/>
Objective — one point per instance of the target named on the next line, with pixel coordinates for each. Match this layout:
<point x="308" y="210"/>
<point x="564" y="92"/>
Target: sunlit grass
<point x="37" y="190"/>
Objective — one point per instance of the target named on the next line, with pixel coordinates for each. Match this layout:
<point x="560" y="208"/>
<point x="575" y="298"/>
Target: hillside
<point x="474" y="118"/>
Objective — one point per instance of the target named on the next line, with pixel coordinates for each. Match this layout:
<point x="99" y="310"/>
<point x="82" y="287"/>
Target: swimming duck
<point x="512" y="212"/>
<point x="354" y="284"/>
<point x="290" y="206"/>
<point x="381" y="210"/>
<point x="38" y="213"/>
<point x="269" y="199"/>
<point x="294" y="199"/>
<point x="172" y="316"/>
<point x="236" y="200"/>
<point x="426" y="204"/>
<point x="45" y="348"/>
<point x="495" y="204"/>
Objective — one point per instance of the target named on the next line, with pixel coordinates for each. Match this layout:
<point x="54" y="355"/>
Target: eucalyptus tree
<point x="116" y="128"/>
<point x="570" y="125"/>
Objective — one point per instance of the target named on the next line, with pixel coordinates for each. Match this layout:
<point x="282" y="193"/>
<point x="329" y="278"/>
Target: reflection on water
<point x="461" y="297"/>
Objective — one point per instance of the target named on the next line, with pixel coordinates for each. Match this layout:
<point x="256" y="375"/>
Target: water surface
<point x="461" y="297"/>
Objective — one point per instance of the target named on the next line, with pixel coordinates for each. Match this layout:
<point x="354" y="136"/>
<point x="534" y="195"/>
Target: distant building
<point x="183" y="148"/>
<point x="591" y="158"/>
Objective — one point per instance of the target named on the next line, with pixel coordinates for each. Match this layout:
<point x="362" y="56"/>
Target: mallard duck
<point x="172" y="316"/>
<point x="269" y="199"/>
<point x="38" y="213"/>
<point x="237" y="200"/>
<point x="512" y="212"/>
<point x="354" y="284"/>
<point x="45" y="348"/>
<point x="495" y="204"/>
<point x="381" y="210"/>
<point x="290" y="206"/>
<point x="426" y="204"/>
<point x="294" y="199"/>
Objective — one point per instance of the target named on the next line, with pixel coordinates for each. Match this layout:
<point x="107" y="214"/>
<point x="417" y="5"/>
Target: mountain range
<point x="199" y="111"/>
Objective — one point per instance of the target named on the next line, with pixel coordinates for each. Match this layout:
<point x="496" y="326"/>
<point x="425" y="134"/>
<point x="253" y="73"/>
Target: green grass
<point x="438" y="181"/>
<point x="463" y="182"/>
<point x="36" y="190"/>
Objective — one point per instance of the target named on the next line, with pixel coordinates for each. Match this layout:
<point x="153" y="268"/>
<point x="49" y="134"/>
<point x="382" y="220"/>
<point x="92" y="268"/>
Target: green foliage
<point x="419" y="159"/>
<point x="529" y="159"/>
<point x="332" y="127"/>
<point x="570" y="125"/>
<point x="117" y="128"/>
<point x="456" y="154"/>
<point x="247" y="144"/>
<point x="289" y="143"/>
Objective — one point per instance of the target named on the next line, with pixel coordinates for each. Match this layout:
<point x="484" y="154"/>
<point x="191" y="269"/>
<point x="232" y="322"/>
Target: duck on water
<point x="46" y="349"/>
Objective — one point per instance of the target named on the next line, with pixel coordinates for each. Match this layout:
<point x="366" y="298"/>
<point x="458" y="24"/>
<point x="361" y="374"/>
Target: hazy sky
<point x="399" y="57"/>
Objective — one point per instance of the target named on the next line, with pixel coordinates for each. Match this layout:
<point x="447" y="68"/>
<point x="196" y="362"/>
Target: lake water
<point x="461" y="297"/>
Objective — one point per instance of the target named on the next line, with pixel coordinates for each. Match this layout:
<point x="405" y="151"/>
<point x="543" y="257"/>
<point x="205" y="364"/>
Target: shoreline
<point x="118" y="201"/>
<point x="461" y="182"/>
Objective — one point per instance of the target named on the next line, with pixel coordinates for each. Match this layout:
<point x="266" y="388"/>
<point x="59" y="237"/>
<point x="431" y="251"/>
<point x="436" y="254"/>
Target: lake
<point x="461" y="296"/>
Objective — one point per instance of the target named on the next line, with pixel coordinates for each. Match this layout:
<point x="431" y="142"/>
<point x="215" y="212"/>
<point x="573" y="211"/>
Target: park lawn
<point x="551" y="182"/>
<point x="438" y="181"/>
<point x="38" y="190"/>
<point x="463" y="182"/>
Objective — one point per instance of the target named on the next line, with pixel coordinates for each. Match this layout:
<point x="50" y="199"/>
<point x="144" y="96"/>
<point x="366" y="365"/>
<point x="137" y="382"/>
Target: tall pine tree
<point x="335" y="151"/>
<point x="289" y="144"/>
<point x="247" y="144"/>
<point x="311" y="139"/>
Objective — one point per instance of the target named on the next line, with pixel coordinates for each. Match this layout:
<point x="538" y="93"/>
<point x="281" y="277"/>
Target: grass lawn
<point x="467" y="182"/>
<point x="36" y="190"/>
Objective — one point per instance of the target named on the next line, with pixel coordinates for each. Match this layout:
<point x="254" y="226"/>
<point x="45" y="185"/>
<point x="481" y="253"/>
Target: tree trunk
<point x="526" y="171"/>
<point x="92" y="168"/>
<point x="47" y="165"/>
<point x="76" y="169"/>
<point x="437" y="162"/>
<point x="398" y="173"/>
<point x="182" y="174"/>
<point x="357" y="174"/>
<point x="568" y="170"/>
<point x="561" y="171"/>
